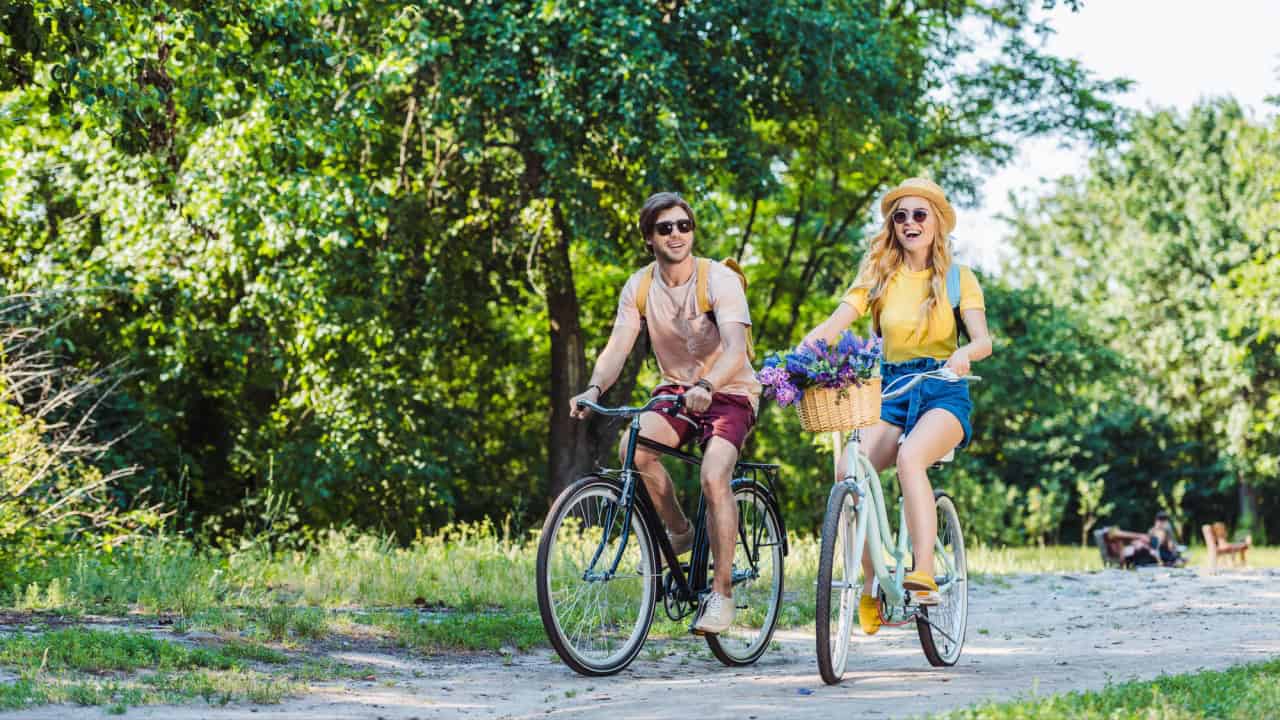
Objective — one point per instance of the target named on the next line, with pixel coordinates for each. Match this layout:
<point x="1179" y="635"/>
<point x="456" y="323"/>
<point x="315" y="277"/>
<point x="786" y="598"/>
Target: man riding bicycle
<point x="704" y="357"/>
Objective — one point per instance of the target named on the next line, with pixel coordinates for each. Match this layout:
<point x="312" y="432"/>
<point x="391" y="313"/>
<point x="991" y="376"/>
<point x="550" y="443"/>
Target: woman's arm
<point x="979" y="347"/>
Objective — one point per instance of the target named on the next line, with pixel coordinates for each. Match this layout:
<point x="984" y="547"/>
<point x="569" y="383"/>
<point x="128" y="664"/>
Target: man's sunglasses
<point x="666" y="226"/>
<point x="919" y="215"/>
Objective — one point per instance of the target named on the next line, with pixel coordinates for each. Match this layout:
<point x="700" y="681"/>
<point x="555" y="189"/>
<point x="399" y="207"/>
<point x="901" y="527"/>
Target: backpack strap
<point x="953" y="285"/>
<point x="704" y="297"/>
<point x="642" y="292"/>
<point x="953" y="294"/>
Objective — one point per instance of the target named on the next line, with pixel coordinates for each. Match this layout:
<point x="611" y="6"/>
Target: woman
<point x="902" y="282"/>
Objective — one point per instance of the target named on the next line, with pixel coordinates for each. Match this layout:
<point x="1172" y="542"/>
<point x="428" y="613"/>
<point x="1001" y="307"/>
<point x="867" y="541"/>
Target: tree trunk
<point x="1250" y="517"/>
<point x="570" y="455"/>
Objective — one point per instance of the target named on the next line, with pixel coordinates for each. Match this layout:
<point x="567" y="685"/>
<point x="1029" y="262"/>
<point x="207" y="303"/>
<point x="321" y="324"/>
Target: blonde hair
<point x="885" y="257"/>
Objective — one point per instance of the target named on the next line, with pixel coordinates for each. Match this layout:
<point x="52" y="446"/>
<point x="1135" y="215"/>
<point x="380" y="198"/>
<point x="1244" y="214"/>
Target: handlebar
<point x="943" y="373"/>
<point x="632" y="411"/>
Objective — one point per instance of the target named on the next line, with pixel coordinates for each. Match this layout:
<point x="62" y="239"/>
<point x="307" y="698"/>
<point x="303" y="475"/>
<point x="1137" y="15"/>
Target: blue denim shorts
<point x="905" y="410"/>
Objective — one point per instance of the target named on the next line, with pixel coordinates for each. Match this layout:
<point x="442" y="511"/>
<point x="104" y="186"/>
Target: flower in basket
<point x="849" y="362"/>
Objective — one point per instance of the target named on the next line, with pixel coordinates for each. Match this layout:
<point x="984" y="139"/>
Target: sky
<point x="1176" y="51"/>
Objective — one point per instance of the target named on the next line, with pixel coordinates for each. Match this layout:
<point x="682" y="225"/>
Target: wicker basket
<point x="827" y="410"/>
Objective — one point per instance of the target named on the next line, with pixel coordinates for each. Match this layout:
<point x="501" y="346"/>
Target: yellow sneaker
<point x="869" y="614"/>
<point x="922" y="587"/>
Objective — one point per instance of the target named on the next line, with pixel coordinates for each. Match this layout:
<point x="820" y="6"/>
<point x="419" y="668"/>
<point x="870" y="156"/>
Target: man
<point x="702" y="356"/>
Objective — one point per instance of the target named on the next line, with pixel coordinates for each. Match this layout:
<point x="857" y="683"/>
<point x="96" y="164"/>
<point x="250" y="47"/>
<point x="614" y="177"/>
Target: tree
<point x="1158" y="244"/>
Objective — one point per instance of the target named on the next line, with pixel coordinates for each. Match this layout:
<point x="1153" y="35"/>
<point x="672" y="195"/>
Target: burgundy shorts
<point x="729" y="417"/>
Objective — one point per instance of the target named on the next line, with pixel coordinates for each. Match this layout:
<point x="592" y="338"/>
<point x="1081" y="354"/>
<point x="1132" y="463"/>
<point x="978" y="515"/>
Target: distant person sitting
<point x="1164" y="541"/>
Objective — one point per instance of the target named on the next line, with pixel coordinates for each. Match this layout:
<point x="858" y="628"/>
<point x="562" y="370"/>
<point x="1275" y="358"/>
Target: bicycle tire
<point x="839" y="527"/>
<point x="951" y="616"/>
<point x="571" y="536"/>
<point x="758" y="596"/>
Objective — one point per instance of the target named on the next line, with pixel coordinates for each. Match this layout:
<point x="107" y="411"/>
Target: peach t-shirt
<point x="685" y="341"/>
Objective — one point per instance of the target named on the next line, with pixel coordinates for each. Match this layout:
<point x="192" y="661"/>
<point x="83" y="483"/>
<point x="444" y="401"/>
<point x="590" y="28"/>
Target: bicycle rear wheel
<point x="840" y="579"/>
<point x="942" y="627"/>
<point x="597" y="622"/>
<point x="757" y="578"/>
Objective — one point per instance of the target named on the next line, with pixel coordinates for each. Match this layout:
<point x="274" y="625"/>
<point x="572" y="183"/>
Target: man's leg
<point x="718" y="461"/>
<point x="649" y="465"/>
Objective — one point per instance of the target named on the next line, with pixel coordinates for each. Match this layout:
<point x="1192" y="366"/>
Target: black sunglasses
<point x="666" y="226"/>
<point x="919" y="215"/>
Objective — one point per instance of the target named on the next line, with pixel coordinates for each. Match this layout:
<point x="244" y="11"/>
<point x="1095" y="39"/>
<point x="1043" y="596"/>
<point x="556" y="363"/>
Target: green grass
<point x="480" y="573"/>
<point x="119" y="669"/>
<point x="1245" y="692"/>
<point x="438" y="632"/>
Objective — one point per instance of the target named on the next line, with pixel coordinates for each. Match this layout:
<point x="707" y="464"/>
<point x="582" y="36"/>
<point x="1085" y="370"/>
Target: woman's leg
<point x="880" y="442"/>
<point x="934" y="435"/>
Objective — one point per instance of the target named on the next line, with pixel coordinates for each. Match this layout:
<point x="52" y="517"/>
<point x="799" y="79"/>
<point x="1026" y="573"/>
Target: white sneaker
<point x="717" y="614"/>
<point x="681" y="542"/>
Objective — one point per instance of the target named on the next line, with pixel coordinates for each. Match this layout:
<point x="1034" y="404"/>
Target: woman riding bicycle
<point x="902" y="281"/>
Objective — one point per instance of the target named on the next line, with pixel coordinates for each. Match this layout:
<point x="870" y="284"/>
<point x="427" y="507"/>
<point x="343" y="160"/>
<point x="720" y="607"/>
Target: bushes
<point x="54" y="500"/>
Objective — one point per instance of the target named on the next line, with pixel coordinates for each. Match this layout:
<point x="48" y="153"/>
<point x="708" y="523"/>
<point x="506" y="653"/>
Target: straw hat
<point x="927" y="189"/>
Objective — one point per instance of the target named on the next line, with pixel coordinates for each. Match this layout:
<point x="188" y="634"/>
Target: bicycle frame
<point x="873" y="530"/>
<point x="635" y="498"/>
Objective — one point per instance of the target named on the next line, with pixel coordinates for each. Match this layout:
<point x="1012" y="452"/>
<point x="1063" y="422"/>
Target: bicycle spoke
<point x="597" y="620"/>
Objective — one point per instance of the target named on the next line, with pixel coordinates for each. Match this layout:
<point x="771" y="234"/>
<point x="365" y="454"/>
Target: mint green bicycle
<point x="856" y="519"/>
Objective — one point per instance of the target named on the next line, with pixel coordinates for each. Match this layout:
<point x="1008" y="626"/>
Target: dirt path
<point x="1040" y="634"/>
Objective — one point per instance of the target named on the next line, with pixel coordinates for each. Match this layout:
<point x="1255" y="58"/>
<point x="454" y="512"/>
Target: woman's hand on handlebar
<point x="958" y="363"/>
<point x="581" y="413"/>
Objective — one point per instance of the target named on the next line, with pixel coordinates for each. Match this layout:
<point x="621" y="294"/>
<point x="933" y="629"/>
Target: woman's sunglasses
<point x="666" y="226"/>
<point x="919" y="215"/>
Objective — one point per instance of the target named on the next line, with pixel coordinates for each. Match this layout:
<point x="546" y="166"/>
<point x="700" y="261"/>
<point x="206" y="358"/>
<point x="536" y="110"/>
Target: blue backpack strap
<point x="953" y="294"/>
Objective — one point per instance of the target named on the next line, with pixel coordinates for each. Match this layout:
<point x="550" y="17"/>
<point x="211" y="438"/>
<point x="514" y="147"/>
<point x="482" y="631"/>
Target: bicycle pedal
<point x="926" y="597"/>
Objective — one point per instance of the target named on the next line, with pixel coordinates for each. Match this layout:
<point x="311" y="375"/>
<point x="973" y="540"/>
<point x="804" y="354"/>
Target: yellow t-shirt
<point x="900" y="314"/>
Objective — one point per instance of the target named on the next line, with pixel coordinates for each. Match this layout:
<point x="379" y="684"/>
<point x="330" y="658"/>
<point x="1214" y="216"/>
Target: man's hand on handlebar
<point x="697" y="399"/>
<point x="582" y="412"/>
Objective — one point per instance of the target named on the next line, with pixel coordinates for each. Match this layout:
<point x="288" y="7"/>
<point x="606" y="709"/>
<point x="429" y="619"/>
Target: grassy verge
<point x="1248" y="691"/>
<point x="118" y="669"/>
<point x="475" y="581"/>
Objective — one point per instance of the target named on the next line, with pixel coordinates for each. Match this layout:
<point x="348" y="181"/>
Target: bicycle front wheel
<point x="840" y="579"/>
<point x="942" y="627"/>
<point x="596" y="614"/>
<point x="757" y="578"/>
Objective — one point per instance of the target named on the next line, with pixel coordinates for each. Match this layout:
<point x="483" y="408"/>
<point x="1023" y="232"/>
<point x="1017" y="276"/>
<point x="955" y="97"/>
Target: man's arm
<point x="608" y="366"/>
<point x="734" y="336"/>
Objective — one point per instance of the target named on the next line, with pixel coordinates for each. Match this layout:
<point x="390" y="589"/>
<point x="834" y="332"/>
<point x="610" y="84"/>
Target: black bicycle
<point x="603" y="550"/>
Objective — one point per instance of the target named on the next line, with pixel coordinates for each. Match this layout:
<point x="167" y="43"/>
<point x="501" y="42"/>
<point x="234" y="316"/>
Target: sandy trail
<point x="1037" y="634"/>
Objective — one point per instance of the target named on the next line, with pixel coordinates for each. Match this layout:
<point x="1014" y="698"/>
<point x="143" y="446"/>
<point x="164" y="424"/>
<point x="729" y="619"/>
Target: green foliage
<point x="1089" y="491"/>
<point x="56" y="498"/>
<point x="355" y="253"/>
<point x="1163" y="246"/>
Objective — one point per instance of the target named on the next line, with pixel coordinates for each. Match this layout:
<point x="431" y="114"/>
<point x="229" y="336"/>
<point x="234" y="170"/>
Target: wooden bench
<point x="1215" y="542"/>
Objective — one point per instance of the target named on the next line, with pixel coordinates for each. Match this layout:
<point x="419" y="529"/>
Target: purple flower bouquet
<point x="849" y="363"/>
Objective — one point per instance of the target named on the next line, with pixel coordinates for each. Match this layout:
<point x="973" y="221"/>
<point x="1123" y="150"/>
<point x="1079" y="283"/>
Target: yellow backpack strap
<point x="704" y="297"/>
<point x="642" y="292"/>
